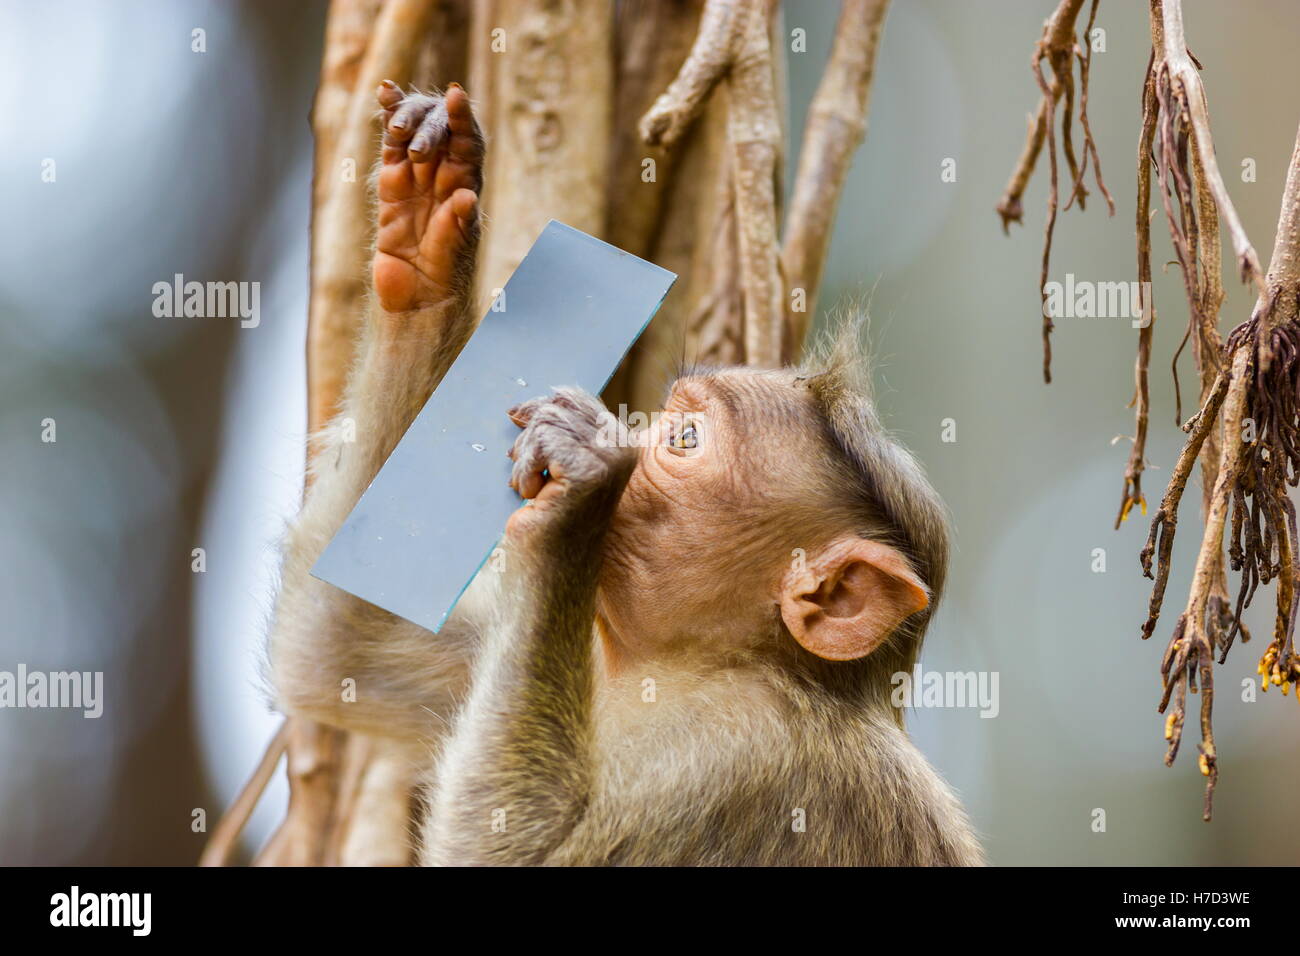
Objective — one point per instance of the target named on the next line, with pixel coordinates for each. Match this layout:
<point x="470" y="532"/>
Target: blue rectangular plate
<point x="438" y="507"/>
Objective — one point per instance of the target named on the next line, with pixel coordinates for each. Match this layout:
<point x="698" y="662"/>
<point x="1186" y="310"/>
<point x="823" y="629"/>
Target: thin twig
<point x="225" y="835"/>
<point x="1183" y="73"/>
<point x="1059" y="48"/>
<point x="342" y="216"/>
<point x="1132" y="492"/>
<point x="1057" y="30"/>
<point x="1165" y="522"/>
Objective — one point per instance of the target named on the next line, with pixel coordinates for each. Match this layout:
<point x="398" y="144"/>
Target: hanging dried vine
<point x="1246" y="434"/>
<point x="1259" y="392"/>
<point x="1176" y="141"/>
<point x="1059" y="48"/>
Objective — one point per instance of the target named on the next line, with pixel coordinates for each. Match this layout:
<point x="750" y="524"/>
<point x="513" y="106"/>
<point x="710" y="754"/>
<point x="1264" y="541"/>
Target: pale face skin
<point x="710" y="546"/>
<point x="696" y="550"/>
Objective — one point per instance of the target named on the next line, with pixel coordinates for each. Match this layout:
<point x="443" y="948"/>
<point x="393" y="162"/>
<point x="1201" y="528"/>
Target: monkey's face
<point x="733" y="529"/>
<point x="702" y="531"/>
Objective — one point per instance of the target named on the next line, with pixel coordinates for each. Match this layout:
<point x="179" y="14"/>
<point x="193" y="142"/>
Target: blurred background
<point x="175" y="434"/>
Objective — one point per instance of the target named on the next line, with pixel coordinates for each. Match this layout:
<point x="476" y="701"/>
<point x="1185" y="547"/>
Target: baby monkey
<point x="684" y="655"/>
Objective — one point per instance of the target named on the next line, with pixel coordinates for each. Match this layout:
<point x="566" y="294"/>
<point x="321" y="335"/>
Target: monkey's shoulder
<point x="785" y="792"/>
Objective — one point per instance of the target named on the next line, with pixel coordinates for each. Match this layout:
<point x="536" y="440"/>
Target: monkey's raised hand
<point x="421" y="317"/>
<point x="428" y="188"/>
<point x="571" y="450"/>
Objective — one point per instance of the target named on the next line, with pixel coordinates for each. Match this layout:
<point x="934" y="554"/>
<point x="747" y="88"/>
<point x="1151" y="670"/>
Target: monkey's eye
<point x="685" y="438"/>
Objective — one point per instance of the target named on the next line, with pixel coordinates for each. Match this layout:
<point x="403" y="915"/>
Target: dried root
<point x="1176" y="140"/>
<point x="1059" y="48"/>
<point x="1263" y="543"/>
<point x="1189" y="656"/>
<point x="1246" y="434"/>
<point x="1165" y="522"/>
<point x="1260" y="400"/>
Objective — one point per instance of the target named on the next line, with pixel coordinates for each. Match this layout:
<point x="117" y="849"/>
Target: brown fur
<point x="710" y="773"/>
<point x="536" y="753"/>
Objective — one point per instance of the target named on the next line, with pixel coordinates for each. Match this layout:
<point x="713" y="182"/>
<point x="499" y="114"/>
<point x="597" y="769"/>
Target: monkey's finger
<point x="466" y="143"/>
<point x="431" y="135"/>
<point x="461" y="210"/>
<point x="406" y="119"/>
<point x="567" y="397"/>
<point x="464" y="203"/>
<point x="527" y="476"/>
<point x="590" y="408"/>
<point x="531" y="485"/>
<point x="389" y="95"/>
<point x="523" y="413"/>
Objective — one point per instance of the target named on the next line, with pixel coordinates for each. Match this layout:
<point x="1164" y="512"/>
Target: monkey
<point x="686" y="656"/>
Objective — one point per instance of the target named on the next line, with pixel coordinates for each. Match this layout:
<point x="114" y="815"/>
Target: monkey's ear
<point x="849" y="597"/>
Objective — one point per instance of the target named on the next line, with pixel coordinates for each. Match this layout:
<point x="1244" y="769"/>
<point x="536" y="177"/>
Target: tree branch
<point x="225" y="835"/>
<point x="1184" y="73"/>
<point x="836" y="125"/>
<point x="734" y="44"/>
<point x="754" y="132"/>
<point x="341" y="227"/>
<point x="341" y="220"/>
<point x="716" y="46"/>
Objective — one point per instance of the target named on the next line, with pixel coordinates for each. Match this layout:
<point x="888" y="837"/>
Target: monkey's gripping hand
<point x="572" y="460"/>
<point x="521" y="750"/>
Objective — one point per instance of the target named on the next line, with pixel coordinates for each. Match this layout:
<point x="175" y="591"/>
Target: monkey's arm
<point x="516" y="775"/>
<point x="334" y="657"/>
